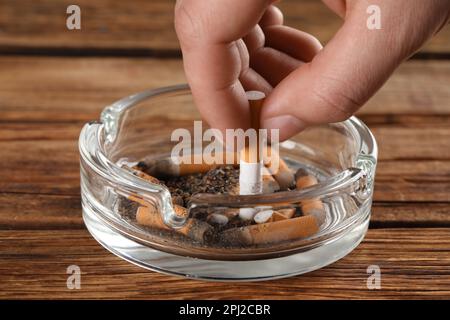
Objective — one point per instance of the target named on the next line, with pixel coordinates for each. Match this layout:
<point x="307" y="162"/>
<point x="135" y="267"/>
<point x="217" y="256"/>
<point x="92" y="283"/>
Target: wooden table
<point x="54" y="80"/>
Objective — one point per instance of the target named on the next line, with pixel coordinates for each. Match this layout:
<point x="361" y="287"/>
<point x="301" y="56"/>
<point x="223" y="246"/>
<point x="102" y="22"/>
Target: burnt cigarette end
<point x="311" y="207"/>
<point x="303" y="179"/>
<point x="319" y="214"/>
<point x="287" y="213"/>
<point x="301" y="173"/>
<point x="194" y="229"/>
<point x="283" y="175"/>
<point x="271" y="232"/>
<point x="141" y="174"/>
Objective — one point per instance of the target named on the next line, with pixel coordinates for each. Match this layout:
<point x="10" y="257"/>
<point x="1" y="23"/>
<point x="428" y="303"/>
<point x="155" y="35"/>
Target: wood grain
<point x="19" y="211"/>
<point x="409" y="169"/>
<point x="137" y="26"/>
<point x="35" y="89"/>
<point x="415" y="263"/>
<point x="410" y="181"/>
<point x="62" y="79"/>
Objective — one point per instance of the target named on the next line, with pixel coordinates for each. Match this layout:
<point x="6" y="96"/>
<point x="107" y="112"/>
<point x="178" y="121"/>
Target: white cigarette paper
<point x="250" y="178"/>
<point x="247" y="213"/>
<point x="251" y="175"/>
<point x="263" y="216"/>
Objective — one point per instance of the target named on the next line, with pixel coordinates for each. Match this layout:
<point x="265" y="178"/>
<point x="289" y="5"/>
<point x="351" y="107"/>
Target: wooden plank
<point x="409" y="214"/>
<point x="138" y="24"/>
<point x="46" y="167"/>
<point x="417" y="88"/>
<point x="415" y="180"/>
<point x="413" y="144"/>
<point x="40" y="211"/>
<point x="33" y="89"/>
<point x="19" y="211"/>
<point x="414" y="263"/>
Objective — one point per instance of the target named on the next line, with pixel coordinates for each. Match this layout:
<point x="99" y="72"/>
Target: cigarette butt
<point x="231" y="213"/>
<point x="313" y="207"/>
<point x="283" y="230"/>
<point x="247" y="213"/>
<point x="250" y="178"/>
<point x="263" y="216"/>
<point x="287" y="213"/>
<point x="141" y="174"/>
<point x="141" y="201"/>
<point x="303" y="179"/>
<point x="178" y="200"/>
<point x="269" y="184"/>
<point x="137" y="170"/>
<point x="218" y="219"/>
<point x="278" y="168"/>
<point x="194" y="228"/>
<point x="168" y="168"/>
<point x="277" y="217"/>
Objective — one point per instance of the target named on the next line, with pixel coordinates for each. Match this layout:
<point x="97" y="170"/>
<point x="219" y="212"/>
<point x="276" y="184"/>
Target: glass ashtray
<point x="340" y="156"/>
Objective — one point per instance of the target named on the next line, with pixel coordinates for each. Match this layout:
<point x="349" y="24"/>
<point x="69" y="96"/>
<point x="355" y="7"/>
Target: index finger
<point x="213" y="54"/>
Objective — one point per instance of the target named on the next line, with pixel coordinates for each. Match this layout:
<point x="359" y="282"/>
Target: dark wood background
<point x="53" y="80"/>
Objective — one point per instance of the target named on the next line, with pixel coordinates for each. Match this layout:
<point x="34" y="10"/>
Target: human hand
<point x="231" y="46"/>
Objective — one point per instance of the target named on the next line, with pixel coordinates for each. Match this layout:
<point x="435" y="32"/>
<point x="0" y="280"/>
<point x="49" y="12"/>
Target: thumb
<point x="348" y="71"/>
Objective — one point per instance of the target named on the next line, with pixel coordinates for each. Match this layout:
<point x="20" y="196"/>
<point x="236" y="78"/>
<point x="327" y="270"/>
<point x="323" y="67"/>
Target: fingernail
<point x="281" y="122"/>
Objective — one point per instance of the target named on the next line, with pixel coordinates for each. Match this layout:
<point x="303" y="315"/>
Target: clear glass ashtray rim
<point x="124" y="180"/>
<point x="339" y="181"/>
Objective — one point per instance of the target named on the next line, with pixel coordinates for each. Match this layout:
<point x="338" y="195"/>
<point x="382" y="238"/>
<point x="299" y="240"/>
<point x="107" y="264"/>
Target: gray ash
<point x="127" y="208"/>
<point x="222" y="179"/>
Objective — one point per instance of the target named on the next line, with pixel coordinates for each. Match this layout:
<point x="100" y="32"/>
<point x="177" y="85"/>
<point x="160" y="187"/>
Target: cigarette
<point x="312" y="207"/>
<point x="231" y="213"/>
<point x="281" y="173"/>
<point x="247" y="213"/>
<point x="283" y="230"/>
<point x="168" y="168"/>
<point x="141" y="174"/>
<point x="250" y="176"/>
<point x="269" y="184"/>
<point x="217" y="219"/>
<point x="282" y="214"/>
<point x="263" y="216"/>
<point x="194" y="228"/>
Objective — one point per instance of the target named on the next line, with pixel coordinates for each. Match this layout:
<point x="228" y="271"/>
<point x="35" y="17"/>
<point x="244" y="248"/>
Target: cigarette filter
<point x="281" y="172"/>
<point x="269" y="184"/>
<point x="168" y="168"/>
<point x="312" y="207"/>
<point x="194" y="228"/>
<point x="283" y="230"/>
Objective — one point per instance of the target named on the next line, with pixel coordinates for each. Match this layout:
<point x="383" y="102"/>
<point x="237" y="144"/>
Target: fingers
<point x="298" y="44"/>
<point x="353" y="66"/>
<point x="251" y="80"/>
<point x="337" y="6"/>
<point x="218" y="21"/>
<point x="213" y="75"/>
<point x="339" y="80"/>
<point x="273" y="65"/>
<point x="272" y="16"/>
<point x="213" y="58"/>
<point x="285" y="50"/>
